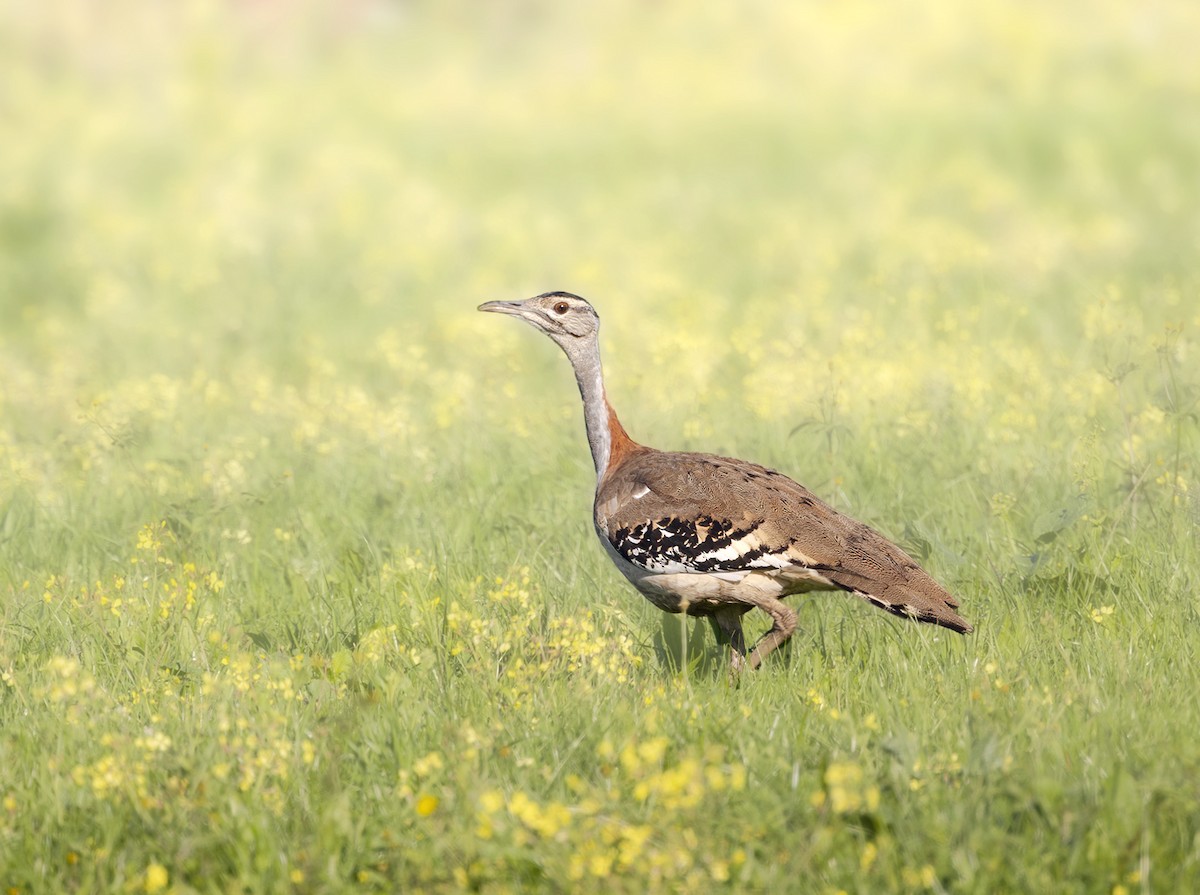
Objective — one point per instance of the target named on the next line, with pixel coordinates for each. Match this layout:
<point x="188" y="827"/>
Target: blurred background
<point x="281" y="513"/>
<point x="235" y="235"/>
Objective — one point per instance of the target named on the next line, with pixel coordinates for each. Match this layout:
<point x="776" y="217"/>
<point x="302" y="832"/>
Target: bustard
<point x="717" y="537"/>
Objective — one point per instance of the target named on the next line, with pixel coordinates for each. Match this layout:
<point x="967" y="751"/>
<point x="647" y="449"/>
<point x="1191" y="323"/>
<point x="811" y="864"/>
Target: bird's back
<point x="679" y="513"/>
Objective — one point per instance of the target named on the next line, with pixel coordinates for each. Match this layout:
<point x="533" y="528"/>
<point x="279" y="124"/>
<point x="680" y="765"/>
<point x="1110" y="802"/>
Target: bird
<point x="715" y="537"/>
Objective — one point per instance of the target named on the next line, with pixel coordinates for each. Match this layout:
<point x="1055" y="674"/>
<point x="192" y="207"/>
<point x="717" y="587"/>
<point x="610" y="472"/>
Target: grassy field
<point x="298" y="588"/>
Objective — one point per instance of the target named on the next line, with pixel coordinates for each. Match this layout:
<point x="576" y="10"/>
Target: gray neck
<point x="585" y="359"/>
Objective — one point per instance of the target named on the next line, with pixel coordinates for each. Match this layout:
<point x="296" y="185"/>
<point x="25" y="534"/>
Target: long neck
<point x="606" y="436"/>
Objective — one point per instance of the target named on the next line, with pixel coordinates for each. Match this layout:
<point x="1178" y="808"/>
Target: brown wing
<point x="683" y="512"/>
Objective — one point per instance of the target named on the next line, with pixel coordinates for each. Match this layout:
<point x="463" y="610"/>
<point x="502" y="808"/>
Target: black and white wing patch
<point x="701" y="544"/>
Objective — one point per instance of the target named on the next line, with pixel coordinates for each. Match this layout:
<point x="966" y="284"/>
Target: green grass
<point x="298" y="588"/>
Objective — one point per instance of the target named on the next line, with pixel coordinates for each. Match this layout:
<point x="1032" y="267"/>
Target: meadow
<point x="298" y="587"/>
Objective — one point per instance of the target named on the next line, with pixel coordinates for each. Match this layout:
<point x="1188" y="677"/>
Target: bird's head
<point x="568" y="319"/>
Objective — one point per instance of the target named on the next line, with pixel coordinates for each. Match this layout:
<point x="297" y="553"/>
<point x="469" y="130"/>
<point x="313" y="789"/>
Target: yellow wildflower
<point x="156" y="878"/>
<point x="491" y="801"/>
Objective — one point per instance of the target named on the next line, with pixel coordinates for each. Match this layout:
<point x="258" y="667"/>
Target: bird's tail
<point x="907" y="602"/>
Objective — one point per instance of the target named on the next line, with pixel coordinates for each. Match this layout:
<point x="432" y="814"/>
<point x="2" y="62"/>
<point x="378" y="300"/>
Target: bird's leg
<point x="783" y="623"/>
<point x="727" y="628"/>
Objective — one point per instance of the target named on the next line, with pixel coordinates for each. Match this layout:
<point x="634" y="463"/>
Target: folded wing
<point x="703" y="514"/>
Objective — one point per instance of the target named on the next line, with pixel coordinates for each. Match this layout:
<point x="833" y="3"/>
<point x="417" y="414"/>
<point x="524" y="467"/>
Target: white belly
<point x="700" y="593"/>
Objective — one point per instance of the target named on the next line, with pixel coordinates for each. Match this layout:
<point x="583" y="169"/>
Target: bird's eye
<point x="561" y="307"/>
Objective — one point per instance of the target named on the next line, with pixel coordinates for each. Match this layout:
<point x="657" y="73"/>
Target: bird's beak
<point x="503" y="307"/>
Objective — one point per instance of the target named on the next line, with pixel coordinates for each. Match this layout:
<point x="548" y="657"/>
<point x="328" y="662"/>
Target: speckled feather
<point x="699" y="513"/>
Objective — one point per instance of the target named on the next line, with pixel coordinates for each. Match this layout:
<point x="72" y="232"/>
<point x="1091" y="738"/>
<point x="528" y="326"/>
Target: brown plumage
<point x="713" y="536"/>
